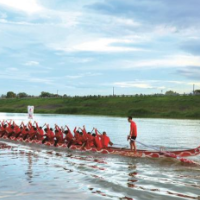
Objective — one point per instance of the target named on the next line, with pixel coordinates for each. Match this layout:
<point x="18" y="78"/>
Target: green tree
<point x="197" y="92"/>
<point x="46" y="94"/>
<point x="170" y="93"/>
<point x="22" y="95"/>
<point x="10" y="94"/>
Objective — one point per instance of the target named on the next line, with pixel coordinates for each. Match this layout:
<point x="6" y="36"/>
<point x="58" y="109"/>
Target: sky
<point x="87" y="47"/>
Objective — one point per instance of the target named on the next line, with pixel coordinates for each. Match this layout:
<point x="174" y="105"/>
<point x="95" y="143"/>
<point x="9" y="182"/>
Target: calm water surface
<point x="28" y="173"/>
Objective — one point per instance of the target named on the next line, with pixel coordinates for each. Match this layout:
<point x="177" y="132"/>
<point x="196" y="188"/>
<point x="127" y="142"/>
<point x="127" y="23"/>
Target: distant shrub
<point x="9" y="110"/>
<point x="172" y="114"/>
<point x="140" y="112"/>
<point x="67" y="111"/>
<point x="193" y="115"/>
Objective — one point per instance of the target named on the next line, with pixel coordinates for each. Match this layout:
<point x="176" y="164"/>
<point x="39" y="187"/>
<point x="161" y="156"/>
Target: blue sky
<point x="84" y="47"/>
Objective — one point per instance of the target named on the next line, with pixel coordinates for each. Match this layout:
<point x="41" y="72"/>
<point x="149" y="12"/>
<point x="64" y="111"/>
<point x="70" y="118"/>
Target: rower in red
<point x="105" y="140"/>
<point x="40" y="132"/>
<point x="102" y="141"/>
<point x="133" y="133"/>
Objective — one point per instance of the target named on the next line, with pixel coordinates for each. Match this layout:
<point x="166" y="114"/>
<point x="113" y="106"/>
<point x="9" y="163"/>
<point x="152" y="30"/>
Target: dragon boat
<point x="179" y="154"/>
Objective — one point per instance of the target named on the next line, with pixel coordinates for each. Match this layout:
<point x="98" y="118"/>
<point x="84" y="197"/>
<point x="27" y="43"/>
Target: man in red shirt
<point x="40" y="132"/>
<point x="68" y="136"/>
<point x="105" y="140"/>
<point x="133" y="134"/>
<point x="58" y="135"/>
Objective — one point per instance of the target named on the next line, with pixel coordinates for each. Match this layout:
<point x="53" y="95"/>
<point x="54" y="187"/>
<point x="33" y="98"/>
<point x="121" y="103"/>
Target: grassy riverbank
<point x="182" y="107"/>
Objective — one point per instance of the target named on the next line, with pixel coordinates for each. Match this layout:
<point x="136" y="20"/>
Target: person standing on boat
<point x="133" y="134"/>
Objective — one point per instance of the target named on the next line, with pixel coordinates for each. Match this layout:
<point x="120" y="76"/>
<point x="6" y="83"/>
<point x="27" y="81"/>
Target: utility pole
<point x="193" y="89"/>
<point x="113" y="91"/>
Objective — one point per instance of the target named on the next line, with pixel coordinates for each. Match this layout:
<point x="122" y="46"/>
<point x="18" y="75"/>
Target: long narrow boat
<point x="113" y="150"/>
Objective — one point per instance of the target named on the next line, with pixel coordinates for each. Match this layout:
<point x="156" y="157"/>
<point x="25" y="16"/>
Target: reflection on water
<point x="32" y="172"/>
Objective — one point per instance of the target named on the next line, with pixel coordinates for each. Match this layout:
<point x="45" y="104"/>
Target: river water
<point x="28" y="173"/>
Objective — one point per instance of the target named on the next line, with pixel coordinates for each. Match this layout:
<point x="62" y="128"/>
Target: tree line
<point x="43" y="94"/>
<point x="12" y="94"/>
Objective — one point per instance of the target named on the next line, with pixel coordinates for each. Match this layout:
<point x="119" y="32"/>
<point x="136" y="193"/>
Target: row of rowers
<point x="58" y="135"/>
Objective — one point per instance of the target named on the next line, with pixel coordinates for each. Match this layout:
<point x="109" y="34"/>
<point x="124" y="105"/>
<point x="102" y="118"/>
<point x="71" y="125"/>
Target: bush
<point x="67" y="111"/>
<point x="140" y="112"/>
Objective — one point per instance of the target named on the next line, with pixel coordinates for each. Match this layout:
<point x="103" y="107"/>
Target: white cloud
<point x="101" y="45"/>
<point x="28" y="6"/>
<point x="81" y="60"/>
<point x="89" y="74"/>
<point x="153" y="84"/>
<point x="168" y="61"/>
<point x="74" y="77"/>
<point x="127" y="22"/>
<point x="132" y="85"/>
<point x="163" y="30"/>
<point x="32" y="63"/>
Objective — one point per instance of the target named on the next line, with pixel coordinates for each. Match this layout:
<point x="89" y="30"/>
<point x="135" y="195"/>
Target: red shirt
<point x="9" y="129"/>
<point x="69" y="137"/>
<point x="17" y="129"/>
<point x="90" y="140"/>
<point x="59" y="136"/>
<point x="133" y="129"/>
<point x="97" y="141"/>
<point x="40" y="134"/>
<point x="78" y="138"/>
<point x="105" y="141"/>
<point x="24" y="132"/>
<point x="50" y="135"/>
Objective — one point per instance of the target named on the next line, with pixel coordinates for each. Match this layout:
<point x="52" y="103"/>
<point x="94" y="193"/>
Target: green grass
<point x="183" y="107"/>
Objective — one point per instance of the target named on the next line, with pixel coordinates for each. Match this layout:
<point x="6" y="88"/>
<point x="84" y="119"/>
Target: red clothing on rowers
<point x="90" y="140"/>
<point x="41" y="132"/>
<point x="24" y="132"/>
<point x="97" y="140"/>
<point x="84" y="136"/>
<point x="9" y="129"/>
<point x="59" y="136"/>
<point x="78" y="137"/>
<point x="17" y="129"/>
<point x="105" y="141"/>
<point x="133" y="128"/>
<point x="50" y="135"/>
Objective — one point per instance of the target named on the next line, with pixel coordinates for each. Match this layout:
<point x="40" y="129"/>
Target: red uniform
<point x="40" y="134"/>
<point x="17" y="130"/>
<point x="84" y="136"/>
<point x="133" y="129"/>
<point x="78" y="137"/>
<point x="59" y="136"/>
<point x="9" y="129"/>
<point x="97" y="140"/>
<point x="24" y="132"/>
<point x="50" y="135"/>
<point x="32" y="133"/>
<point x="105" y="141"/>
<point x="90" y="140"/>
<point x="69" y="136"/>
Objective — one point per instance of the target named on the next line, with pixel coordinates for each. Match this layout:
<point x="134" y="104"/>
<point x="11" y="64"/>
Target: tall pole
<point x="193" y="88"/>
<point x="113" y="91"/>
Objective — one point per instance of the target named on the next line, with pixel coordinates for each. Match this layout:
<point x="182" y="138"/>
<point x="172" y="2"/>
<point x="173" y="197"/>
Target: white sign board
<point x="30" y="112"/>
